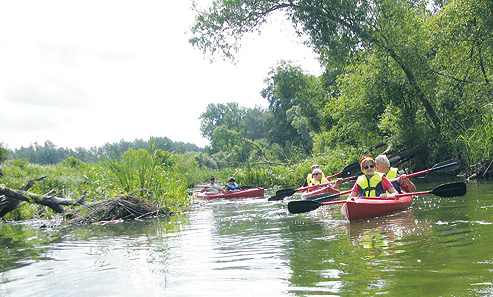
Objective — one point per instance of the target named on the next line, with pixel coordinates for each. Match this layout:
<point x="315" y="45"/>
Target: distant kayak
<point x="320" y="190"/>
<point x="246" y="193"/>
<point x="365" y="208"/>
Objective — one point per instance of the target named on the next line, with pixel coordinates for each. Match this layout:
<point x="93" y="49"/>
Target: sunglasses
<point x="366" y="167"/>
<point x="316" y="173"/>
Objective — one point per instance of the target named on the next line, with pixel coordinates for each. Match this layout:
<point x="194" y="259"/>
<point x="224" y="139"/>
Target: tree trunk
<point x="16" y="196"/>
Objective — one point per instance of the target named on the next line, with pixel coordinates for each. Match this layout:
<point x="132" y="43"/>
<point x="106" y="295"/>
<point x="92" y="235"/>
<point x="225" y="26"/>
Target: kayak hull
<point x="247" y="193"/>
<point x="322" y="190"/>
<point x="365" y="208"/>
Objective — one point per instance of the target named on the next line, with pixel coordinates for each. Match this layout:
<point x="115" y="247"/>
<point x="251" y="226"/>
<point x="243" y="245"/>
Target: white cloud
<point x="83" y="73"/>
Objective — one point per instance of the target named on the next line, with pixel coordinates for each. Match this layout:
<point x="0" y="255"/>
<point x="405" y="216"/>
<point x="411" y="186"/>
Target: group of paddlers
<point x="379" y="179"/>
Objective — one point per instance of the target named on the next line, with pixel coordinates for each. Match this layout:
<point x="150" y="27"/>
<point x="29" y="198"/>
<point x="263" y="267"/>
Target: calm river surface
<point x="439" y="247"/>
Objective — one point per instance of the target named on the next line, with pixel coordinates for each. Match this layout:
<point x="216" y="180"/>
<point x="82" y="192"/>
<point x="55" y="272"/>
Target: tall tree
<point x="229" y="115"/>
<point x="284" y="86"/>
<point x="337" y="30"/>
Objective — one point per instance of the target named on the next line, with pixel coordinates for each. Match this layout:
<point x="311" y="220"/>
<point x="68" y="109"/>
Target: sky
<point x="86" y="73"/>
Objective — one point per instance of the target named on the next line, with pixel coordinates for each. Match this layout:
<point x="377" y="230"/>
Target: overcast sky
<point x="86" y="73"/>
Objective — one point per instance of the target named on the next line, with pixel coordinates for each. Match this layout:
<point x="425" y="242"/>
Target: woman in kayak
<point x="372" y="183"/>
<point x="309" y="177"/>
<point x="231" y="185"/>
<point x="391" y="173"/>
<point x="318" y="177"/>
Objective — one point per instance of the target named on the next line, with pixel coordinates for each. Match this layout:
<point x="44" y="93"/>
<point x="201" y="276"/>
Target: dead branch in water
<point x="119" y="208"/>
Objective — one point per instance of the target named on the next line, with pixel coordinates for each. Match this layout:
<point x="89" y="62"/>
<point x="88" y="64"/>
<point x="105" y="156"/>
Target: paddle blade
<point x="281" y="194"/>
<point x="350" y="169"/>
<point x="275" y="198"/>
<point x="450" y="190"/>
<point x="300" y="206"/>
<point x="446" y="166"/>
<point x="324" y="197"/>
<point x="285" y="192"/>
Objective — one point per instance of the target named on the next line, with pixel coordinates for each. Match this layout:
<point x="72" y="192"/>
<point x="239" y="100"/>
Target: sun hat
<point x="231" y="179"/>
<point x="364" y="159"/>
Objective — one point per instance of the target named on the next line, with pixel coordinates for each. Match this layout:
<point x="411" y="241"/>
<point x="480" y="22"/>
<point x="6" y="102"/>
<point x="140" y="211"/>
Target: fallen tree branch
<point x="8" y="204"/>
<point x="53" y="202"/>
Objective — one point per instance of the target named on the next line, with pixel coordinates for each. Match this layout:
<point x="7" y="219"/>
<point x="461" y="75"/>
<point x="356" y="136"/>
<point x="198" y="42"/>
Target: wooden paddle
<point x="446" y="190"/>
<point x="280" y="194"/>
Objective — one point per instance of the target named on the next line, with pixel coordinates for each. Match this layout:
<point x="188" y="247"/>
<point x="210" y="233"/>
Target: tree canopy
<point x="404" y="71"/>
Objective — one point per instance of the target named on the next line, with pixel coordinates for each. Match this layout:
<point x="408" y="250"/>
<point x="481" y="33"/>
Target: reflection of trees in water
<point x="384" y="236"/>
<point x="24" y="244"/>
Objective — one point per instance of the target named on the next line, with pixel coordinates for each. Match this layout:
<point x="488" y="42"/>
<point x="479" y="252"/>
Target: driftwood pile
<point x="120" y="208"/>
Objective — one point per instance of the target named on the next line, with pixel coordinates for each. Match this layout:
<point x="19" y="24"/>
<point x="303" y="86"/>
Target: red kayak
<point x="320" y="190"/>
<point x="247" y="193"/>
<point x="365" y="208"/>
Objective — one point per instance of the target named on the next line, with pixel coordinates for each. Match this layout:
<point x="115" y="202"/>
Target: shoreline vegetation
<point x="147" y="183"/>
<point x="411" y="79"/>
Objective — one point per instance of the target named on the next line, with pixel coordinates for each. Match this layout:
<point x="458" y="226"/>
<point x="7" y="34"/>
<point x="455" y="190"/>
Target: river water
<point x="253" y="247"/>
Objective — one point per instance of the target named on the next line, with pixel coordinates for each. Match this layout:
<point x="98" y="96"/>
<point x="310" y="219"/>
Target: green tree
<point x="337" y="30"/>
<point x="285" y="83"/>
<point x="4" y="153"/>
<point x="216" y="115"/>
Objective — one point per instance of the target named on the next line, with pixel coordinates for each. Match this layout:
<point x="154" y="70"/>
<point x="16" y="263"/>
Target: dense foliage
<point x="402" y="72"/>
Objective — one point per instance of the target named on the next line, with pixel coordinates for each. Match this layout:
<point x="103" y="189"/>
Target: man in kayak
<point x="400" y="182"/>
<point x="372" y="183"/>
<point x="231" y="185"/>
<point x="212" y="188"/>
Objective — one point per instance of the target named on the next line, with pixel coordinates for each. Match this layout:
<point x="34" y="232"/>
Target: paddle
<point x="280" y="194"/>
<point x="324" y="197"/>
<point x="445" y="190"/>
<point x="444" y="166"/>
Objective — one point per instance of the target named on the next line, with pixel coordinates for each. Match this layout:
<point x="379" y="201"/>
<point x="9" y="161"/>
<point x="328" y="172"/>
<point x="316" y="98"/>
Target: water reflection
<point x="382" y="236"/>
<point x="439" y="247"/>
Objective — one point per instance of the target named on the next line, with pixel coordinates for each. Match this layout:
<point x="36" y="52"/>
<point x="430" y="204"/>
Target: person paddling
<point x="392" y="173"/>
<point x="309" y="176"/>
<point x="231" y="185"/>
<point x="212" y="187"/>
<point x="372" y="183"/>
<point x="318" y="177"/>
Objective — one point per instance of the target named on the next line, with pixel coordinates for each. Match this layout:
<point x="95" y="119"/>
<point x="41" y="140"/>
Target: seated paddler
<point x="372" y="183"/>
<point x="231" y="185"/>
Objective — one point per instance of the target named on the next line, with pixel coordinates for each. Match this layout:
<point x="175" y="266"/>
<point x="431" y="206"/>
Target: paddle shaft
<point x="443" y="166"/>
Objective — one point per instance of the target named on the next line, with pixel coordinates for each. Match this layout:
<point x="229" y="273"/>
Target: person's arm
<point x="354" y="192"/>
<point x="387" y="186"/>
<point x="406" y="183"/>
